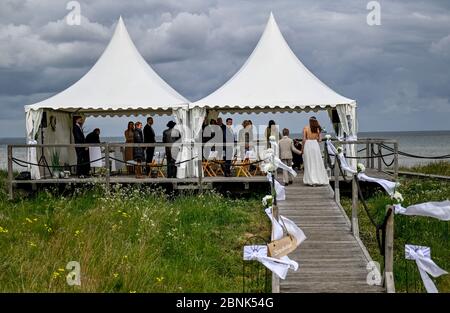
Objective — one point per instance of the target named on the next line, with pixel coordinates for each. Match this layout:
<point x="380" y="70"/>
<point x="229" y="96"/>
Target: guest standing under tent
<point x="138" y="152"/>
<point x="129" y="138"/>
<point x="82" y="152"/>
<point x="149" y="137"/>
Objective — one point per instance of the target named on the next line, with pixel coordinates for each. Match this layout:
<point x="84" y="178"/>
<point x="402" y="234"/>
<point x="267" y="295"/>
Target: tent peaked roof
<point x="121" y="82"/>
<point x="273" y="77"/>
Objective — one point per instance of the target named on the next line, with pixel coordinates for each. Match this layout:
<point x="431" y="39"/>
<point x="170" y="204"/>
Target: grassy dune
<point x="435" y="168"/>
<point x="422" y="231"/>
<point x="135" y="240"/>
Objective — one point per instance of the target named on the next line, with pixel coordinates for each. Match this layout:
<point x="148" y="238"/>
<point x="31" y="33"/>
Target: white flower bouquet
<point x="397" y="196"/>
<point x="327" y="136"/>
<point x="267" y="201"/>
<point x="361" y="168"/>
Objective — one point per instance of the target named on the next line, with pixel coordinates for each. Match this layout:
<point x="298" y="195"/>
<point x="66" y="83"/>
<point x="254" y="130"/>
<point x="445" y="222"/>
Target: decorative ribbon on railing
<point x="278" y="266"/>
<point x="343" y="162"/>
<point x="422" y="256"/>
<point x="279" y="189"/>
<point x="291" y="228"/>
<point x="439" y="210"/>
<point x="389" y="186"/>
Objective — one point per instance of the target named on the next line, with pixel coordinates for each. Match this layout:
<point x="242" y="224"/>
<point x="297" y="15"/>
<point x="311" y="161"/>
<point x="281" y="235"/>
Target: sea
<point x="420" y="143"/>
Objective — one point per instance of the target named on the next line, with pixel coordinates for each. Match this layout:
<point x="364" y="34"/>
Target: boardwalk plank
<point x="330" y="259"/>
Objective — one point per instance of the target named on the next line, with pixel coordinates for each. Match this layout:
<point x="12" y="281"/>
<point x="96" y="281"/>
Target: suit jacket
<point x="170" y="135"/>
<point x="92" y="137"/>
<point x="138" y="152"/>
<point x="78" y="135"/>
<point x="286" y="146"/>
<point x="149" y="134"/>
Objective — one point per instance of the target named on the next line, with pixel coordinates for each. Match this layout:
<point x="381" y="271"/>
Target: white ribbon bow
<point x="278" y="266"/>
<point x="422" y="256"/>
<point x="291" y="228"/>
<point x="279" y="189"/>
<point x="439" y="210"/>
<point x="388" y="185"/>
<point x="344" y="163"/>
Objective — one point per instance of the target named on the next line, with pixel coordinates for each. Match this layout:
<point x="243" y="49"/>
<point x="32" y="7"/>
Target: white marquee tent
<point x="273" y="79"/>
<point x="120" y="83"/>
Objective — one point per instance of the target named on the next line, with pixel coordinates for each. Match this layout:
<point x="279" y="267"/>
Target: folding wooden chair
<point x="243" y="166"/>
<point x="208" y="165"/>
<point x="157" y="162"/>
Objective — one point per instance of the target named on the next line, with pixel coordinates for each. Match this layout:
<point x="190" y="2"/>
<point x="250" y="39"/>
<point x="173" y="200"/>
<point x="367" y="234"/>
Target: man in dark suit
<point x="82" y="152"/>
<point x="171" y="135"/>
<point x="228" y="141"/>
<point x="149" y="137"/>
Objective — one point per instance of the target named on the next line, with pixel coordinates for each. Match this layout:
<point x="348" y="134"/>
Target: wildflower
<point x="132" y="291"/>
<point x="160" y="279"/>
<point x="32" y="244"/>
<point x="3" y="230"/>
<point x="55" y="275"/>
<point x="29" y="220"/>
<point x="77" y="232"/>
<point x="115" y="275"/>
<point x="61" y="269"/>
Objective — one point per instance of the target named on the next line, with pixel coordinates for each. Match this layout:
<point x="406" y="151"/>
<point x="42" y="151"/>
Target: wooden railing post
<point x="107" y="176"/>
<point x="396" y="160"/>
<point x="355" y="223"/>
<point x="275" y="215"/>
<point x="200" y="167"/>
<point x="372" y="159"/>
<point x="367" y="155"/>
<point x="337" y="195"/>
<point x="10" y="173"/>
<point x="389" y="252"/>
<point x="379" y="157"/>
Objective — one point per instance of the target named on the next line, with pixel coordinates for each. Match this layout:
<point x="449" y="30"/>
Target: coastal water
<point x="423" y="143"/>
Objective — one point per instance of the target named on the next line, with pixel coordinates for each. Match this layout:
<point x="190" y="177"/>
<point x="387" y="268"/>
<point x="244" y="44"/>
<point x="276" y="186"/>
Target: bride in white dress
<point x="315" y="173"/>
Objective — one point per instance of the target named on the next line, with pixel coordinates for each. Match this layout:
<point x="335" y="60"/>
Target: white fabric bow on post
<point x="439" y="210"/>
<point x="422" y="256"/>
<point x="278" y="266"/>
<point x="389" y="186"/>
<point x="291" y="228"/>
<point x="344" y="164"/>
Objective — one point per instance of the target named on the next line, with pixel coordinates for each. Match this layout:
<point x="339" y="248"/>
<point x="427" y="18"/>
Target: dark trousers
<point x="171" y="168"/>
<point x="83" y="166"/>
<point x="149" y="153"/>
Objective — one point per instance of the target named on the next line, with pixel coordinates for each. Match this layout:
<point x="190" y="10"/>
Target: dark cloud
<point x="398" y="71"/>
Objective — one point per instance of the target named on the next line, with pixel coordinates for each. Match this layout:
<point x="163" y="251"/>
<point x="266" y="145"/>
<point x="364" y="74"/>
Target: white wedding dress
<point x="315" y="173"/>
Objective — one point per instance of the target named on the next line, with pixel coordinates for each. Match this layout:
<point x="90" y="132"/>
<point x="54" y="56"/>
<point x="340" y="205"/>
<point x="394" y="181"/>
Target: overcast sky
<point x="399" y="71"/>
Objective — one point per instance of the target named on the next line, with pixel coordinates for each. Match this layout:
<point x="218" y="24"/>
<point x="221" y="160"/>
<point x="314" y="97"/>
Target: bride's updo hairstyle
<point x="314" y="125"/>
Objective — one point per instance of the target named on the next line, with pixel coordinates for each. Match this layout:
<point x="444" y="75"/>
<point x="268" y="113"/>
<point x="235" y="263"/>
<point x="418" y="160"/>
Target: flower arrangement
<point x="272" y="138"/>
<point x="339" y="149"/>
<point x="267" y="201"/>
<point x="397" y="196"/>
<point x="361" y="168"/>
<point x="327" y="137"/>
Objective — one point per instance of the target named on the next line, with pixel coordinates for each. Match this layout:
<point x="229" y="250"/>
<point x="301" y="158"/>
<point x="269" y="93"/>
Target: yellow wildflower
<point x="55" y="275"/>
<point x="29" y="220"/>
<point x="61" y="269"/>
<point x="159" y="279"/>
<point x="32" y="244"/>
<point x="3" y="230"/>
<point x="115" y="275"/>
<point x="132" y="291"/>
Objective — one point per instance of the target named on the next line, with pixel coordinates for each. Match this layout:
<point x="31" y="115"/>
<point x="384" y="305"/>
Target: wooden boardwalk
<point x="331" y="259"/>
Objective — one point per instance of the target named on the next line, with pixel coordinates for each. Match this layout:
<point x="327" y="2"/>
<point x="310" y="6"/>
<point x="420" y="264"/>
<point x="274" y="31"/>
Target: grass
<point x="134" y="240"/>
<point x="435" y="168"/>
<point x="422" y="231"/>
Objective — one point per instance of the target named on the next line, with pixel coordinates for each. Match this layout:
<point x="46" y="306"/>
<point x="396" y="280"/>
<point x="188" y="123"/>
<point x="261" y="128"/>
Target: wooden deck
<point x="331" y="259"/>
